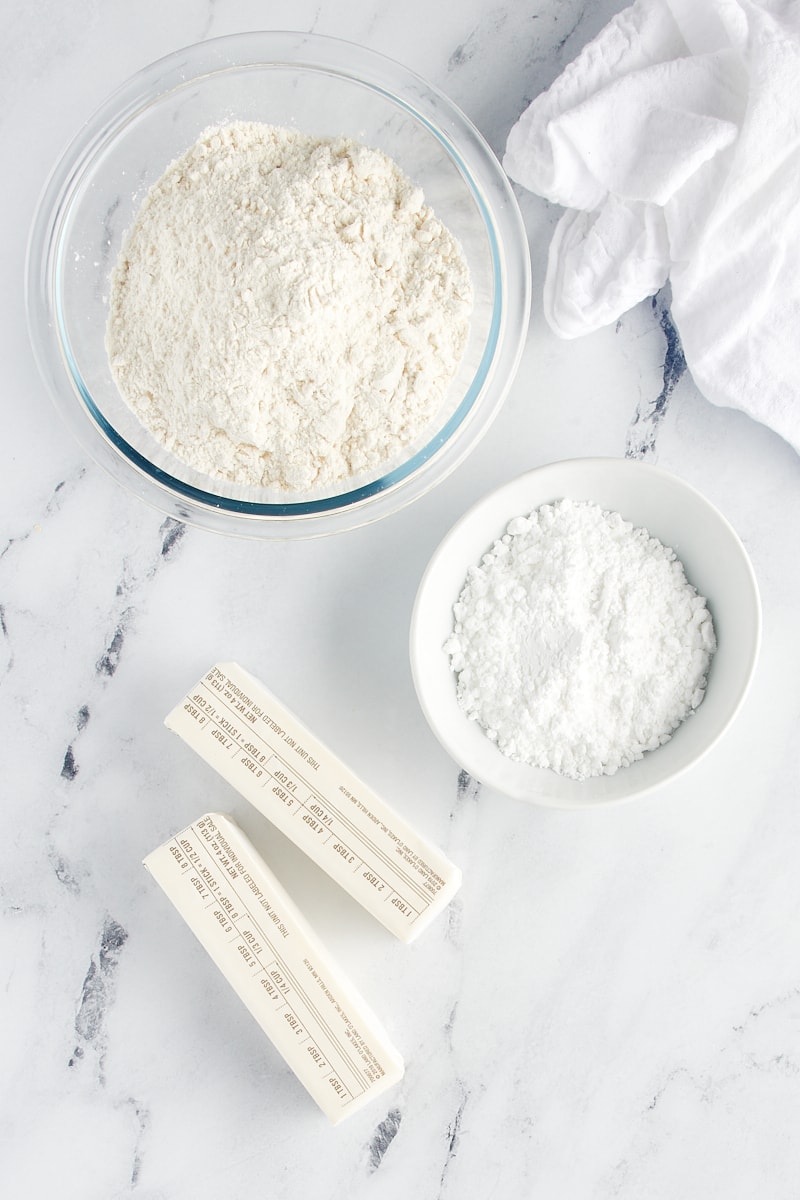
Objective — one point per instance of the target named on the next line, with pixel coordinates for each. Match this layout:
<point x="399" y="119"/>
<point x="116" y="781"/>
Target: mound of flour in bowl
<point x="286" y="311"/>
<point x="578" y="642"/>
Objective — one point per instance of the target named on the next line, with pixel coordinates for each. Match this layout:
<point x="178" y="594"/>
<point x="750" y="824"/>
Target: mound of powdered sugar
<point x="286" y="311"/>
<point x="578" y="642"/>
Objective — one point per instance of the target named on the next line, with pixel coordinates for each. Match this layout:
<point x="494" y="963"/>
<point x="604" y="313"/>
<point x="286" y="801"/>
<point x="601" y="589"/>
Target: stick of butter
<point x="272" y="759"/>
<point x="275" y="963"/>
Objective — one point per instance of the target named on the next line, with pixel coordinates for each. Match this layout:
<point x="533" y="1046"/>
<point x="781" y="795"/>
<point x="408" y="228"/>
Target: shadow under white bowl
<point x="715" y="561"/>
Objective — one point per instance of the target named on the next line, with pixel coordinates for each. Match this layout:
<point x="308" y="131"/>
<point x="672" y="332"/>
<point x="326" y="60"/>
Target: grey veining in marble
<point x="610" y="1007"/>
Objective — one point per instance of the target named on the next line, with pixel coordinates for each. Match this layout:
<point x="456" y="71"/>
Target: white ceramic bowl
<point x="327" y="88"/>
<point x="715" y="562"/>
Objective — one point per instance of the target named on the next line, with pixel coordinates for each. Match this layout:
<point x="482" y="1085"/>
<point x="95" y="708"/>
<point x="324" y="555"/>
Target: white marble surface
<point x="611" y="1007"/>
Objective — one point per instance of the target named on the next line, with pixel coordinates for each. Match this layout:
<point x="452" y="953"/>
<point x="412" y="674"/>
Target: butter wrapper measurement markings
<point x="238" y="727"/>
<point x="276" y="964"/>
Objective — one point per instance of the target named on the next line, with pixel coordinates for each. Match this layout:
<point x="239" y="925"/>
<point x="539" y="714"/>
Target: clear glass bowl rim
<point x="494" y="199"/>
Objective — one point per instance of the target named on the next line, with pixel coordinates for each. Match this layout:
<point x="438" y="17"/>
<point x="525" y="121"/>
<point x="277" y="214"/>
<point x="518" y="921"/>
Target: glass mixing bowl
<point x="324" y="87"/>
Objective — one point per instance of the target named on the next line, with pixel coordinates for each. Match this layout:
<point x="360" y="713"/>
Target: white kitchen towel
<point x="674" y="142"/>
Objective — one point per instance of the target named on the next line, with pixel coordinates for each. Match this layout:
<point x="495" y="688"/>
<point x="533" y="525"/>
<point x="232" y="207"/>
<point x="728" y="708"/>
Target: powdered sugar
<point x="578" y="642"/>
<point x="286" y="311"/>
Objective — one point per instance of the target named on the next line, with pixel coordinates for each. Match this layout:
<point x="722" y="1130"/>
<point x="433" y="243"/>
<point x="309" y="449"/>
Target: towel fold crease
<point x="673" y="140"/>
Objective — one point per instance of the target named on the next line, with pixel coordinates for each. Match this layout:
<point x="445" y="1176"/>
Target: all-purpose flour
<point x="578" y="642"/>
<point x="286" y="311"/>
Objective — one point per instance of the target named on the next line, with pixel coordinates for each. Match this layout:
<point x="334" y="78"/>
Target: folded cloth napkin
<point x="674" y="142"/>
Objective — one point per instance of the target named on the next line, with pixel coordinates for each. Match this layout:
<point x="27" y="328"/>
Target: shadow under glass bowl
<point x="324" y="87"/>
